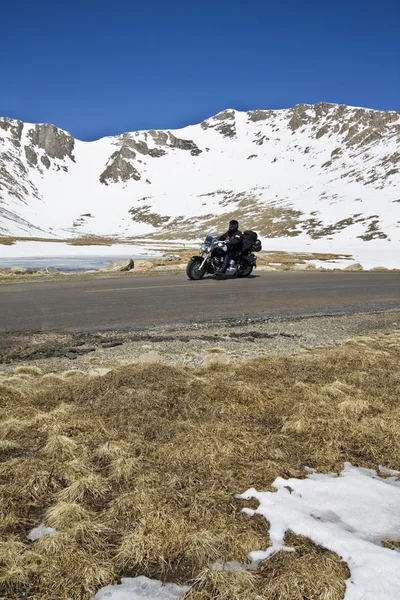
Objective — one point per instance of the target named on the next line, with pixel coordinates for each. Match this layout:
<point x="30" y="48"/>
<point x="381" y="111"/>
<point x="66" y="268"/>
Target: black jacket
<point x="235" y="239"/>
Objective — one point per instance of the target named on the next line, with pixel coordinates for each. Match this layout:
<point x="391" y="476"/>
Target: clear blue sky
<point x="100" y="68"/>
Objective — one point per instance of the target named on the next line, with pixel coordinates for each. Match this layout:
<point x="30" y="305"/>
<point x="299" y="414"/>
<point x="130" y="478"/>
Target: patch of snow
<point x="309" y="470"/>
<point x="141" y="588"/>
<point x="99" y="372"/>
<point x="39" y="532"/>
<point x="387" y="471"/>
<point x="223" y="565"/>
<point x="332" y="264"/>
<point x="372" y="254"/>
<point x="61" y="249"/>
<point x="349" y="514"/>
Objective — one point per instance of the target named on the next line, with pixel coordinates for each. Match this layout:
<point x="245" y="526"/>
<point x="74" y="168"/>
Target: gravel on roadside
<point x="236" y="339"/>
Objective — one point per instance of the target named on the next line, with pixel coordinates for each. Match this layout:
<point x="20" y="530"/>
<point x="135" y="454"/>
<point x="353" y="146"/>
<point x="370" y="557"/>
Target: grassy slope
<point x="138" y="469"/>
<point x="86" y="240"/>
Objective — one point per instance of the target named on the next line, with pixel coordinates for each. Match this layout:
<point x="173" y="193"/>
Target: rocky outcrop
<point x="224" y="122"/>
<point x="144" y="214"/>
<point x="175" y="142"/>
<point x="260" y="115"/>
<point x="14" y="128"/>
<point x="119" y="167"/>
<point x="140" y="146"/>
<point x="120" y="265"/>
<point x="354" y="267"/>
<point x="119" y="170"/>
<point x="31" y="155"/>
<point x="357" y="126"/>
<point x="160" y="137"/>
<point x="299" y="116"/>
<point x="45" y="161"/>
<point x="55" y="142"/>
<point x="143" y="265"/>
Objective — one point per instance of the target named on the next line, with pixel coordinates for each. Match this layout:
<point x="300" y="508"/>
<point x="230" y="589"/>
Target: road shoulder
<point x="227" y="340"/>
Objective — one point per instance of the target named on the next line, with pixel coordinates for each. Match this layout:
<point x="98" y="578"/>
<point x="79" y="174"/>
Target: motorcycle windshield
<point x="211" y="235"/>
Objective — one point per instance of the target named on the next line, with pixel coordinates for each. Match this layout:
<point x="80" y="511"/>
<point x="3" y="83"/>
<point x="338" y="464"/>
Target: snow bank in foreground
<point x="140" y="588"/>
<point x="349" y="514"/>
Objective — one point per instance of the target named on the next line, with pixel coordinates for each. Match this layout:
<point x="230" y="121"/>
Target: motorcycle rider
<point x="234" y="240"/>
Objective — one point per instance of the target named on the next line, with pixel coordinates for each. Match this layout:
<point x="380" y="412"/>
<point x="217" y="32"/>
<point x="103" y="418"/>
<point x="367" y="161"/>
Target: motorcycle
<point x="211" y="258"/>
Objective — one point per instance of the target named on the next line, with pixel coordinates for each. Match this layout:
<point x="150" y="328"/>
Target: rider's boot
<point x="222" y="270"/>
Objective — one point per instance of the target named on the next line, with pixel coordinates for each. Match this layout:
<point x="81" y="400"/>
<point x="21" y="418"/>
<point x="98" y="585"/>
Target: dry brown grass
<point x="10" y="240"/>
<point x="284" y="576"/>
<point x="138" y="469"/>
<point x="84" y="240"/>
<point x="29" y="370"/>
<point x="286" y="260"/>
<point x="93" y="240"/>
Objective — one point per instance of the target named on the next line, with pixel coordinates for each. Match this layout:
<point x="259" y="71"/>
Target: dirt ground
<point x="188" y="345"/>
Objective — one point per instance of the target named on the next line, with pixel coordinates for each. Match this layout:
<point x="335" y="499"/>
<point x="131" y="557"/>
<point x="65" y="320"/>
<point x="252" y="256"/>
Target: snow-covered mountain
<point x="313" y="172"/>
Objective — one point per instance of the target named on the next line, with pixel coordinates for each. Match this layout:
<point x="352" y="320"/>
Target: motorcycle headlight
<point x="203" y="248"/>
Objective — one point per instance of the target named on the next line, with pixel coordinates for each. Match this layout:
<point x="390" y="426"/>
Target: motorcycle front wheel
<point x="193" y="270"/>
<point x="244" y="270"/>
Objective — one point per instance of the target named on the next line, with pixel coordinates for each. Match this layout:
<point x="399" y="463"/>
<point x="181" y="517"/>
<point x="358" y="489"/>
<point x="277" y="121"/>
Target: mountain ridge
<point x="229" y="109"/>
<point x="313" y="171"/>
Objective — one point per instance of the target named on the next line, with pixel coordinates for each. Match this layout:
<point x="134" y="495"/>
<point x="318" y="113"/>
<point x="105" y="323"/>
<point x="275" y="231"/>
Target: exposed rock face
<point x="55" y="142"/>
<point x="141" y="147"/>
<point x="15" y="128"/>
<point x="45" y="161"/>
<point x="119" y="168"/>
<point x="31" y="155"/>
<point x="224" y="122"/>
<point x="160" y="137"/>
<point x="225" y="115"/>
<point x="299" y="117"/>
<point x="175" y="142"/>
<point x="25" y="149"/>
<point x="358" y="126"/>
<point x="260" y="115"/>
<point x="144" y="214"/>
<point x="124" y="163"/>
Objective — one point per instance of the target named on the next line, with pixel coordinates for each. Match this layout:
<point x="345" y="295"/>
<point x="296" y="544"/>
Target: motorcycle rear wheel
<point x="193" y="270"/>
<point x="244" y="270"/>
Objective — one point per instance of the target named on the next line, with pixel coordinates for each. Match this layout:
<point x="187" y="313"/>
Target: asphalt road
<point x="123" y="303"/>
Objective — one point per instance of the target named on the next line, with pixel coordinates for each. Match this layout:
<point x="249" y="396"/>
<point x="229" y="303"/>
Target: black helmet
<point x="233" y="226"/>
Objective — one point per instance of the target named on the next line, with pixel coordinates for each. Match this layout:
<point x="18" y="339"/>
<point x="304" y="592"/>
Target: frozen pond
<point x="64" y="257"/>
<point x="64" y="263"/>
